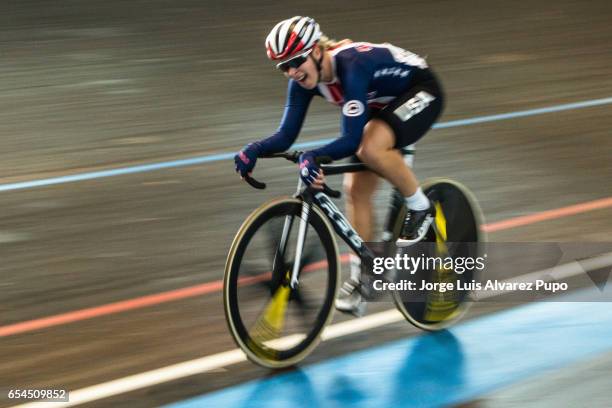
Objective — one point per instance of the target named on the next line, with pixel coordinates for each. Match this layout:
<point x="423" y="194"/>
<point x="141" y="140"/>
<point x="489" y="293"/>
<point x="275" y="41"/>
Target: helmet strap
<point x="318" y="64"/>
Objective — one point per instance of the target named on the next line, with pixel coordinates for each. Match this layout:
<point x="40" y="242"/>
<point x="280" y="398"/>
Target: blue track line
<point x="226" y="156"/>
<point x="445" y="368"/>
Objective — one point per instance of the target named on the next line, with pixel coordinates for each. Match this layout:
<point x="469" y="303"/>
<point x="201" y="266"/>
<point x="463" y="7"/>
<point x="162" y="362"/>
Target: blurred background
<point x="91" y="86"/>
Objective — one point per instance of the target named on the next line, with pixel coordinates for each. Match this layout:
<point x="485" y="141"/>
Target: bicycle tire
<point x="473" y="233"/>
<point x="260" y="353"/>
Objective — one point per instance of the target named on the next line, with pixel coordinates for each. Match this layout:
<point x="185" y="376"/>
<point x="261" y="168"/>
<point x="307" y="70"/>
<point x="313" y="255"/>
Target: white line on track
<point x="227" y="358"/>
<point x="209" y="158"/>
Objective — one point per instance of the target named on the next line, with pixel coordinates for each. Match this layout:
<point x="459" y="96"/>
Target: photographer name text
<point x="490" y="285"/>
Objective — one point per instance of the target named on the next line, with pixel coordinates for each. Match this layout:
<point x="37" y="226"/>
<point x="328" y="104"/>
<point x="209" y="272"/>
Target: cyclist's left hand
<point x="310" y="173"/>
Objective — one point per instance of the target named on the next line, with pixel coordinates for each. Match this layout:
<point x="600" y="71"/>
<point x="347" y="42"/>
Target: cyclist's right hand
<point x="246" y="158"/>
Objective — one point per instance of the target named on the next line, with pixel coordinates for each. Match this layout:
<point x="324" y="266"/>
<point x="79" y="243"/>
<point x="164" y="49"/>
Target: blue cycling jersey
<point x="366" y="76"/>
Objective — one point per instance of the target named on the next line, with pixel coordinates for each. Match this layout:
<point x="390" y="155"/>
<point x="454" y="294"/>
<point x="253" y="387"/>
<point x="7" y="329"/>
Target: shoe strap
<point x="349" y="286"/>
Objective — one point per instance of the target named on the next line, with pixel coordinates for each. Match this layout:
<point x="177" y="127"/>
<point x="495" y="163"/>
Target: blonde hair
<point x="327" y="43"/>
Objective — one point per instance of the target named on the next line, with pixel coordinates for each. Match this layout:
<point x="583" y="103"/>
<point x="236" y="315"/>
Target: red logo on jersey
<point x="363" y="48"/>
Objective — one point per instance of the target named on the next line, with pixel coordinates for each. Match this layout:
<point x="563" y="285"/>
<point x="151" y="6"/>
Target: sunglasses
<point x="294" y="62"/>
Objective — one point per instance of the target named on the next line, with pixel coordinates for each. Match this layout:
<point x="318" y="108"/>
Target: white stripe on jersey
<point x="327" y="94"/>
<point x="383" y="99"/>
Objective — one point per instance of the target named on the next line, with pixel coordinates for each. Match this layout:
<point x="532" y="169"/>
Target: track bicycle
<point x="282" y="270"/>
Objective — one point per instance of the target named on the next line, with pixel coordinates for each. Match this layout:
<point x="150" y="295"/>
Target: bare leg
<point x="360" y="188"/>
<point x="378" y="152"/>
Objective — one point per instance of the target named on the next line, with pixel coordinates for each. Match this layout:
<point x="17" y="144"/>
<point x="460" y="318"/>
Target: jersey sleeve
<point x="296" y="106"/>
<point x="354" y="116"/>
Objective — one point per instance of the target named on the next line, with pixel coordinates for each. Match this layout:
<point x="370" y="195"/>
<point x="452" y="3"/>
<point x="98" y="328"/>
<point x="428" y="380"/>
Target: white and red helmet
<point x="293" y="36"/>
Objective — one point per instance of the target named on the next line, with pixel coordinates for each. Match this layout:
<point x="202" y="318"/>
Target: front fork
<point x="302" y="229"/>
<point x="300" y="243"/>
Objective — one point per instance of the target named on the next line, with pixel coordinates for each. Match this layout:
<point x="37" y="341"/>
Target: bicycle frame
<point x="340" y="223"/>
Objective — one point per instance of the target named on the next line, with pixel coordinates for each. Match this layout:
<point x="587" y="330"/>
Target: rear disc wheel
<point x="455" y="233"/>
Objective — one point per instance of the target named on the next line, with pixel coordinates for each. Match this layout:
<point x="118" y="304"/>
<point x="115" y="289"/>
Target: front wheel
<point x="455" y="233"/>
<point x="276" y="325"/>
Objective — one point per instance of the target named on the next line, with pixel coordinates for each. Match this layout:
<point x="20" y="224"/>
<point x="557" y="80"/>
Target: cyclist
<point x="389" y="98"/>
